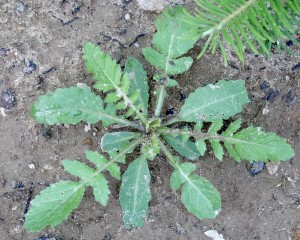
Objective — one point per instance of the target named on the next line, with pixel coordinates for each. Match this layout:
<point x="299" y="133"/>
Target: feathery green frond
<point x="245" y="24"/>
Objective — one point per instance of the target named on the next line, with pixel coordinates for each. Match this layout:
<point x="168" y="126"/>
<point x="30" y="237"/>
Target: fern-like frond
<point x="245" y="24"/>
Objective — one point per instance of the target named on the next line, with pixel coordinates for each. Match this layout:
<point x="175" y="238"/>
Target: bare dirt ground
<point x="50" y="35"/>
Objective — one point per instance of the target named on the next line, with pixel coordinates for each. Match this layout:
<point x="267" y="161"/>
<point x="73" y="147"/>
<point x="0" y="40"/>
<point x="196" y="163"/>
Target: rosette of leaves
<point x="126" y="104"/>
<point x="256" y="25"/>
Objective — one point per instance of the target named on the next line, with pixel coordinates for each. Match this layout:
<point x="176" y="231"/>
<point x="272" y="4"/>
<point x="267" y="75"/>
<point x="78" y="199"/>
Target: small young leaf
<point x="100" y="161"/>
<point x="138" y="82"/>
<point x="135" y="193"/>
<point x="214" y="101"/>
<point x="179" y="176"/>
<point x="186" y="149"/>
<point x="200" y="197"/>
<point x="88" y="175"/>
<point x="53" y="205"/>
<point x="117" y="141"/>
<point x="253" y="144"/>
<point x="150" y="149"/>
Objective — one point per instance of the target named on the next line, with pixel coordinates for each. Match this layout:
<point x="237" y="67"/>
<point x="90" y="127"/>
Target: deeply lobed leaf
<point x="253" y="144"/>
<point x="90" y="178"/>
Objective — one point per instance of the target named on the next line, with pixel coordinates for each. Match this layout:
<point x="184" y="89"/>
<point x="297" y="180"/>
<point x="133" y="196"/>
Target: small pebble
<point x="15" y="184"/>
<point x="290" y="98"/>
<point x="31" y="166"/>
<point x="107" y="237"/>
<point x="20" y="7"/>
<point x="48" y="238"/>
<point x="14" y="208"/>
<point x="256" y="168"/>
<point x="264" y="85"/>
<point x="30" y="67"/>
<point x="272" y="94"/>
<point x="87" y="141"/>
<point x="87" y="127"/>
<point x="170" y="111"/>
<point x="127" y="17"/>
<point x="182" y="96"/>
<point x="296" y="66"/>
<point x="7" y="99"/>
<point x="272" y="167"/>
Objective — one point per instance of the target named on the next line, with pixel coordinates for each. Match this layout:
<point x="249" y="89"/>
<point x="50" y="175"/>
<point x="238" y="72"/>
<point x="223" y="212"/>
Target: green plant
<point x="254" y="24"/>
<point x="126" y="104"/>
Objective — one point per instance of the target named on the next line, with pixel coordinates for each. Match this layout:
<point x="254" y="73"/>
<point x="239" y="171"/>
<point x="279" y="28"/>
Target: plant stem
<point x="123" y="121"/>
<point x="169" y="155"/>
<point x="171" y="121"/>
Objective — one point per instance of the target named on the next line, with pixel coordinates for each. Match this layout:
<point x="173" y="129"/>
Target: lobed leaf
<point x="253" y="144"/>
<point x="90" y="177"/>
<point x="135" y="193"/>
<point x="171" y="43"/>
<point x="53" y="205"/>
<point x="108" y="76"/>
<point x="186" y="149"/>
<point x="105" y="70"/>
<point x="100" y="161"/>
<point x="214" y="101"/>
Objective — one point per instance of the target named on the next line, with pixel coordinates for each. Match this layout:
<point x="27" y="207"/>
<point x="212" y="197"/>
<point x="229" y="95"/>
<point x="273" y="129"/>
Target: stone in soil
<point x="7" y="99"/>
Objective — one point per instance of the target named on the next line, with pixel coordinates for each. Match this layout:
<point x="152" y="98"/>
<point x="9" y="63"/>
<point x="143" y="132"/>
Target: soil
<point x="41" y="50"/>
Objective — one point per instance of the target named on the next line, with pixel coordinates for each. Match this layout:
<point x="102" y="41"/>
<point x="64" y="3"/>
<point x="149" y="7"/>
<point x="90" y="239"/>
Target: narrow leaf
<point x="53" y="205"/>
<point x="214" y="101"/>
<point x="186" y="149"/>
<point x="200" y="197"/>
<point x="138" y="82"/>
<point x="135" y="193"/>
